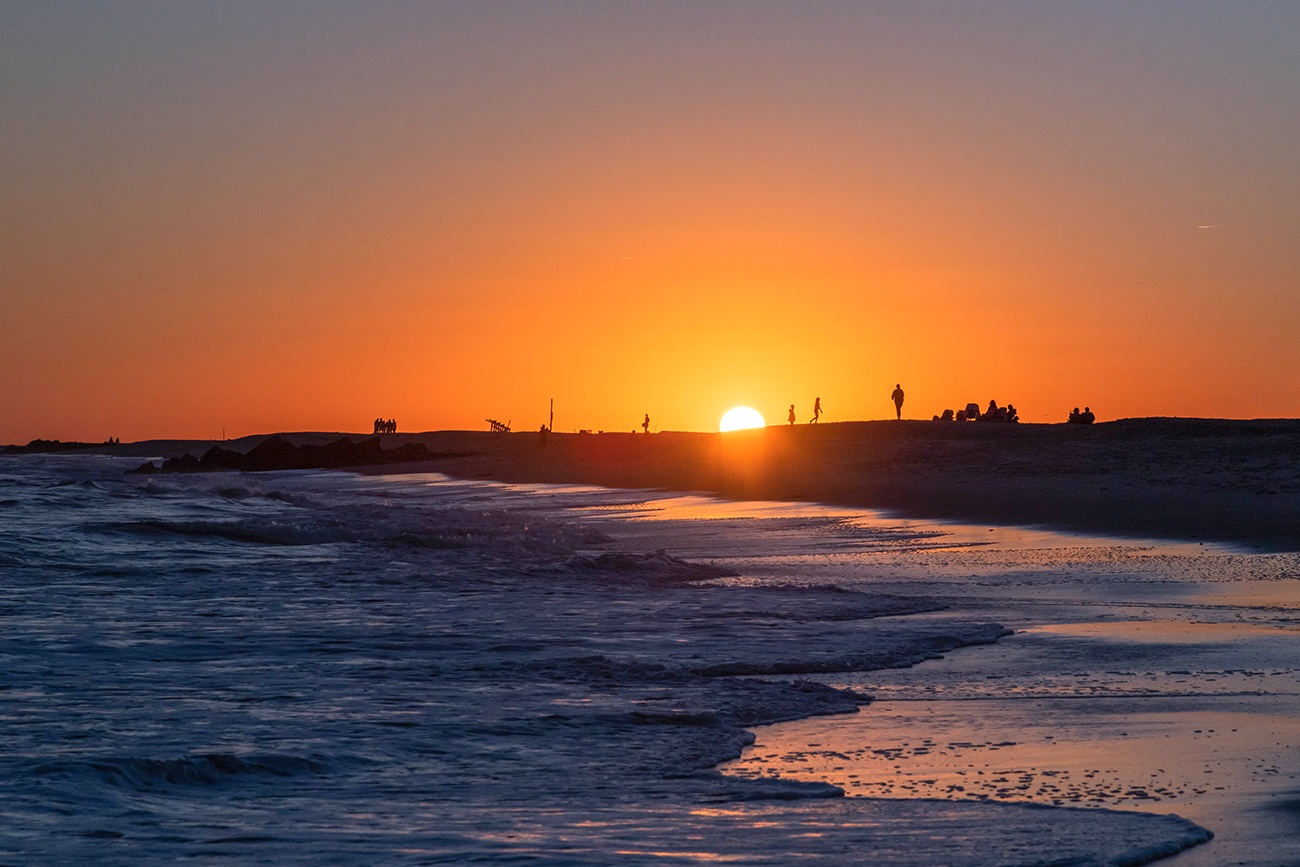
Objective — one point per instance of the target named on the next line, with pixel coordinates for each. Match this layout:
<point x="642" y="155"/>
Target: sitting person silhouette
<point x="994" y="413"/>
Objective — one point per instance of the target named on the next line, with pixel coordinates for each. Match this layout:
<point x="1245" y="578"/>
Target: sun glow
<point x="741" y="418"/>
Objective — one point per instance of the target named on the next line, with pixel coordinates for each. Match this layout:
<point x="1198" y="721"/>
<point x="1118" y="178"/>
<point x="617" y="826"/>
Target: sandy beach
<point x="1208" y="480"/>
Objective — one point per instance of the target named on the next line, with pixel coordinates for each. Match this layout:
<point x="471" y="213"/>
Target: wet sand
<point x="1041" y="718"/>
<point x="1149" y="677"/>
<point x="1199" y="479"/>
<point x="1142" y="676"/>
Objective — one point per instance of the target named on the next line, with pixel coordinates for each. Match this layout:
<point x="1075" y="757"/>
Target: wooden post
<point x="551" y="426"/>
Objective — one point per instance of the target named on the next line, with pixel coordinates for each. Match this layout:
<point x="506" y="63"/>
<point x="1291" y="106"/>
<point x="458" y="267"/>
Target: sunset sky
<point x="273" y="216"/>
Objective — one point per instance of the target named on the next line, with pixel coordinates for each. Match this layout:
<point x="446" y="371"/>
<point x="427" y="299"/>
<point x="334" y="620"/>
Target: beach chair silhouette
<point x="498" y="427"/>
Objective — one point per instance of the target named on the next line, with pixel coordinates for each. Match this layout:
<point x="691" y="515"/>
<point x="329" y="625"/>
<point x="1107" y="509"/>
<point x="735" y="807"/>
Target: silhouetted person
<point x="1074" y="417"/>
<point x="897" y="398"/>
<point x="1012" y="415"/>
<point x="790" y="416"/>
<point x="817" y="410"/>
<point x="645" y="425"/>
<point x="542" y="433"/>
<point x="1087" y="416"/>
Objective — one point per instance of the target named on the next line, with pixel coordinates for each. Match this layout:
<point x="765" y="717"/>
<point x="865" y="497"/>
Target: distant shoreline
<point x="1207" y="480"/>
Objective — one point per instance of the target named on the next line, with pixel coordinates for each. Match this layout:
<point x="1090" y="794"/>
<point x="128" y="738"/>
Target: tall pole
<point x="551" y="426"/>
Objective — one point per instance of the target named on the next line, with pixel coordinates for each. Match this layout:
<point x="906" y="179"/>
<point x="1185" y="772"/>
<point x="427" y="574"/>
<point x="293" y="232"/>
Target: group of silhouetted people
<point x="817" y="412"/>
<point x="1085" y="417"/>
<point x="994" y="413"/>
<point x="896" y="397"/>
<point x="385" y="426"/>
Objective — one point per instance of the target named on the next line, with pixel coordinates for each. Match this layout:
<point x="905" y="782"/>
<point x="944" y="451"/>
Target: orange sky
<point x="269" y="216"/>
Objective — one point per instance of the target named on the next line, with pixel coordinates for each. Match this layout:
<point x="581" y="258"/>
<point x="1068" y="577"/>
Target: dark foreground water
<point x="322" y="668"/>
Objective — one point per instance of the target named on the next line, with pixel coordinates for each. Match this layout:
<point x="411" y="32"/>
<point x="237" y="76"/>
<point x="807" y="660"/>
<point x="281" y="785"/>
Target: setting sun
<point x="741" y="418"/>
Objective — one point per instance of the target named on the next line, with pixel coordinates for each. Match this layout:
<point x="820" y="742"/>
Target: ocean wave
<point x="900" y="652"/>
<point x="770" y="789"/>
<point x="757" y="703"/>
<point x="239" y="492"/>
<point x="201" y="770"/>
<point x="703" y="719"/>
<point x="269" y="531"/>
<point x="659" y="567"/>
<point x="595" y="669"/>
<point x="813" y="603"/>
<point x="497" y="532"/>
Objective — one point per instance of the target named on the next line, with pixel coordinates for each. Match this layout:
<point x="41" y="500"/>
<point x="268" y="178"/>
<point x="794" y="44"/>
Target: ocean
<point x="333" y="668"/>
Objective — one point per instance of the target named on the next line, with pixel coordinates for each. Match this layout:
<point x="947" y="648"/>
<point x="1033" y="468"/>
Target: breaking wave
<point x="656" y="567"/>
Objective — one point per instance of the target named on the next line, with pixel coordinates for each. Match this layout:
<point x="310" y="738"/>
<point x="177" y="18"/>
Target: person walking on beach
<point x="817" y="410"/>
<point x="790" y="417"/>
<point x="897" y="397"/>
<point x="645" y="425"/>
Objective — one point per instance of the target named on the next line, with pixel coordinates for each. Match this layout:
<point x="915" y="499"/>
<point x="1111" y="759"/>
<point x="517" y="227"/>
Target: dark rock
<point x="45" y="447"/>
<point x="274" y="453"/>
<point x="277" y="453"/>
<point x="183" y="464"/>
<point x="217" y="458"/>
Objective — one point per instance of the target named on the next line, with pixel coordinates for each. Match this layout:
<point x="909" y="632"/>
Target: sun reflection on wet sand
<point x="1178" y="718"/>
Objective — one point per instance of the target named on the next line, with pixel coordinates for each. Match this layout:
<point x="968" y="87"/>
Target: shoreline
<point x="1204" y="480"/>
<point x="1197" y="721"/>
<point x="829" y="749"/>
